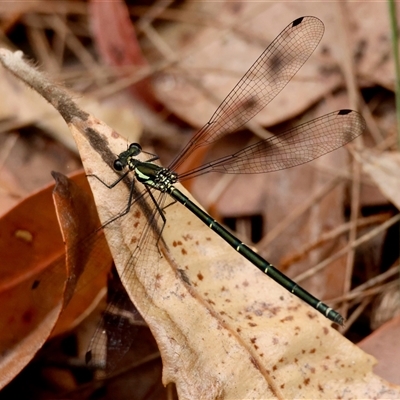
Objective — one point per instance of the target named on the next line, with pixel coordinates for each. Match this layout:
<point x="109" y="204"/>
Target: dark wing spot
<point x="297" y="21"/>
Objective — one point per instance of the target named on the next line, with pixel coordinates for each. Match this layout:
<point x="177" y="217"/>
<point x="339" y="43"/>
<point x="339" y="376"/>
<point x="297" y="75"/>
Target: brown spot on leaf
<point x="184" y="252"/>
<point x="311" y="315"/>
<point x="200" y="276"/>
<point x="253" y="361"/>
<point x="274" y="310"/>
<point x="306" y="381"/>
<point x="27" y="316"/>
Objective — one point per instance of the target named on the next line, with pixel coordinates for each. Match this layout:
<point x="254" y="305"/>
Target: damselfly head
<point x="125" y="158"/>
<point x="118" y="165"/>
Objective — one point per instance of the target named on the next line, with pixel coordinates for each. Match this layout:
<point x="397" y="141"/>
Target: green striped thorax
<point x="146" y="172"/>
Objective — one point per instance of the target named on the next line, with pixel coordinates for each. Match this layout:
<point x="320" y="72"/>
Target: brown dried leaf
<point x="29" y="244"/>
<point x="383" y="169"/>
<point x="88" y="257"/>
<point x="33" y="255"/>
<point x="383" y="344"/>
<point x="117" y="43"/>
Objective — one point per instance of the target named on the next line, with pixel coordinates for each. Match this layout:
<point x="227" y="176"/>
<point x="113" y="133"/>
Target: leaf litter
<point x="247" y="339"/>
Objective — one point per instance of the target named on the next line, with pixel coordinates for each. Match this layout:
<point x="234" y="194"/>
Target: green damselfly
<point x="270" y="73"/>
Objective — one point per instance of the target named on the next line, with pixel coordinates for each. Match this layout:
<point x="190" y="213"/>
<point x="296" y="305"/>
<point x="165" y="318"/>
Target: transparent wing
<point x="297" y="146"/>
<point x="270" y="73"/>
<point x="117" y="330"/>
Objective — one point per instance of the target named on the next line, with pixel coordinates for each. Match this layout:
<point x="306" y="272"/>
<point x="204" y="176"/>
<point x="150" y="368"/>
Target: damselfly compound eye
<point x="118" y="166"/>
<point x="135" y="149"/>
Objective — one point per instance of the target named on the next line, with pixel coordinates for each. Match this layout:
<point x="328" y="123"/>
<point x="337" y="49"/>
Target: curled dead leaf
<point x="33" y="277"/>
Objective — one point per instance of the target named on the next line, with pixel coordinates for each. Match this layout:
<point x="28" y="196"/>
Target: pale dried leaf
<point x="383" y="168"/>
<point x="383" y="343"/>
<point x="224" y="329"/>
<point x="24" y="107"/>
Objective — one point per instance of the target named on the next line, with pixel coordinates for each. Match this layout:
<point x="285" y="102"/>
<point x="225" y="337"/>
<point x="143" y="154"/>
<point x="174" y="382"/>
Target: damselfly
<point x="261" y="83"/>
